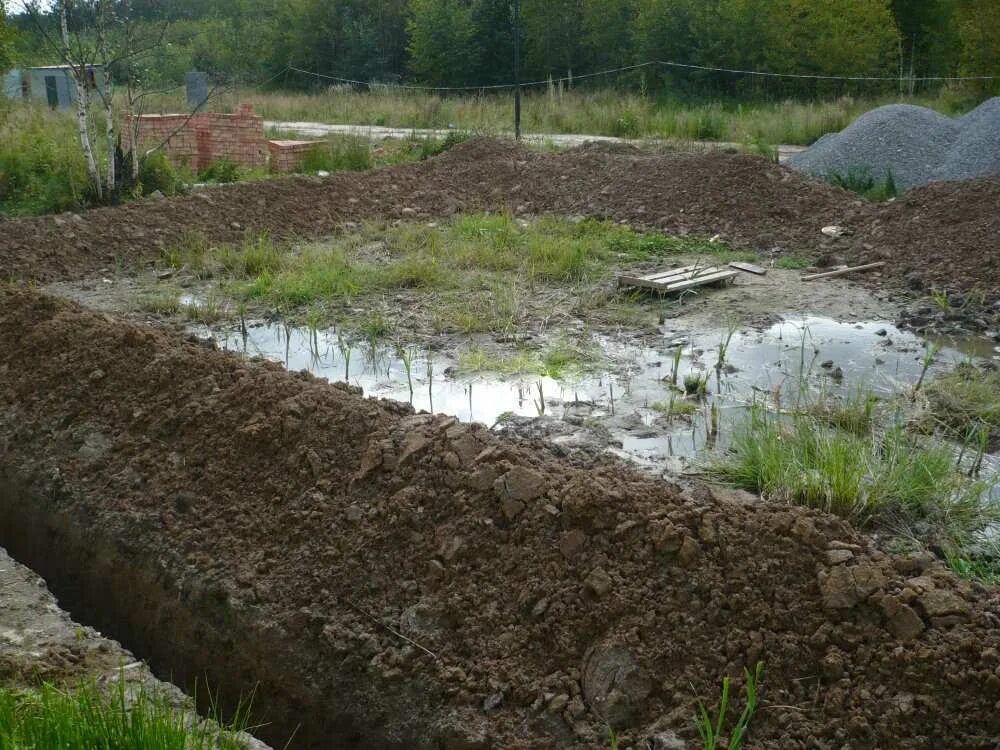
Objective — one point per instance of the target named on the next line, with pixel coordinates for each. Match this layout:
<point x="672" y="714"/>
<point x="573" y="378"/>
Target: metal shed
<point x="49" y="84"/>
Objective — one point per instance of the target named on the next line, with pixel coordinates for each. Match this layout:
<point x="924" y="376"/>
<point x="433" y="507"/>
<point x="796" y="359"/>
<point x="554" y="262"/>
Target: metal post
<point x="517" y="69"/>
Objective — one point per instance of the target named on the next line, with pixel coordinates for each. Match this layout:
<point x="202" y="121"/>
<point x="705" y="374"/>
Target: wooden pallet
<point x="679" y="279"/>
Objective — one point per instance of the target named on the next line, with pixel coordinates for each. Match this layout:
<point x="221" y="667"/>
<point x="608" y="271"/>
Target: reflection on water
<point x="776" y="364"/>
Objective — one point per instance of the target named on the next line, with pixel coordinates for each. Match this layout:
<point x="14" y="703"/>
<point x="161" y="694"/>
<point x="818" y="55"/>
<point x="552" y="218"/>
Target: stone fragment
<point x="511" y="508"/>
<point x="901" y="619"/>
<point x="414" y="444"/>
<point x="689" y="552"/>
<point x="598" y="583"/>
<point x="520" y="483"/>
<point x="845" y="586"/>
<point x="838" y="556"/>
<point x="572" y="543"/>
<point x="940" y="603"/>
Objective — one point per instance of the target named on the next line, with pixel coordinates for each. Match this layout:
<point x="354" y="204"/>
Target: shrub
<point x="221" y="171"/>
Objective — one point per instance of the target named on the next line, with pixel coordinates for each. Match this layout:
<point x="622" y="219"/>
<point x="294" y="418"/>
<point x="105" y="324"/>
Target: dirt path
<point x="400" y="580"/>
<point x="563" y="140"/>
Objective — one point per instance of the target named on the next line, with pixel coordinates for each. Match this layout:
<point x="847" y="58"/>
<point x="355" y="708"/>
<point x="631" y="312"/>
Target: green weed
<point x="862" y="181"/>
<point x="792" y="263"/>
<point x="964" y="401"/>
<point x="84" y="717"/>
<point x="887" y="478"/>
<point x="675" y="407"/>
<point x="711" y="732"/>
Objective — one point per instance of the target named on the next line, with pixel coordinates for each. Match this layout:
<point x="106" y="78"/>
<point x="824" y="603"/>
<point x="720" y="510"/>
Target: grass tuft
<point x="876" y="478"/>
<point x="84" y="717"/>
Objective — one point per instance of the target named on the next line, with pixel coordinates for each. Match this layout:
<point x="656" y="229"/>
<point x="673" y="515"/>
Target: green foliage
<point x="792" y="262"/>
<point x="6" y="39"/>
<point x="41" y="167"/>
<point x="157" y="173"/>
<point x="442" y="41"/>
<point x="965" y="401"/>
<point x="862" y="181"/>
<point x="627" y="126"/>
<point x="338" y="154"/>
<point x="711" y="732"/>
<point x="55" y="718"/>
<point x="432" y="147"/>
<point x="222" y="171"/>
<point x="888" y="478"/>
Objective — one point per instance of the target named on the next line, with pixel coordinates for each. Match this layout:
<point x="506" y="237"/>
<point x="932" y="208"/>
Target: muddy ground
<point x="401" y="580"/>
<point x="945" y="235"/>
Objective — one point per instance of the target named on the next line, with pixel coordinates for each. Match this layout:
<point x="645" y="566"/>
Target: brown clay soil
<point x="401" y="580"/>
<point x="948" y="233"/>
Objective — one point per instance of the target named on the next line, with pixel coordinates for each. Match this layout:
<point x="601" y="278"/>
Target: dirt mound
<point x="946" y="234"/>
<point x="749" y="201"/>
<point x="401" y="580"/>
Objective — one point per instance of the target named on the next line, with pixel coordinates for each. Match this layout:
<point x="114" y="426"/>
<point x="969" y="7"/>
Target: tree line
<point x="454" y="43"/>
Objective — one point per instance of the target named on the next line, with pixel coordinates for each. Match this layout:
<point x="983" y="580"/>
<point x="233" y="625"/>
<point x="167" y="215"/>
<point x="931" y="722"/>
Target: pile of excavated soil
<point x="748" y="201"/>
<point x="401" y="580"/>
<point x="917" y="144"/>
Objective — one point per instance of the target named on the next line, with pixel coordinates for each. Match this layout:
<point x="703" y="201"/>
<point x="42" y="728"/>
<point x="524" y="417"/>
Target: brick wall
<point x="206" y="137"/>
<point x="287" y="155"/>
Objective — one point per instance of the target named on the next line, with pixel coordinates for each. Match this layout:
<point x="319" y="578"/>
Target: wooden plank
<point x="700" y="280"/>
<point x="688" y="272"/>
<point x="679" y="285"/>
<point x="748" y="267"/>
<point x="842" y="271"/>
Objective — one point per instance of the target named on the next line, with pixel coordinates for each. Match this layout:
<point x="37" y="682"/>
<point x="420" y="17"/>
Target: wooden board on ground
<point x="748" y="267"/>
<point x="842" y="271"/>
<point x="679" y="279"/>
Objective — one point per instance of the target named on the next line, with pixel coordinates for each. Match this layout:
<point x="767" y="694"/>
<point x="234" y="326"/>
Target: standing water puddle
<point x="621" y="408"/>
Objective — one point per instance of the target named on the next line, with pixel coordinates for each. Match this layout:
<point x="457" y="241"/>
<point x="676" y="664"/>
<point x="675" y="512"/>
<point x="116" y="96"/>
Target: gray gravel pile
<point x="918" y="144"/>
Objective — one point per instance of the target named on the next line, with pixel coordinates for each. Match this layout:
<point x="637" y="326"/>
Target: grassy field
<point x="553" y="111"/>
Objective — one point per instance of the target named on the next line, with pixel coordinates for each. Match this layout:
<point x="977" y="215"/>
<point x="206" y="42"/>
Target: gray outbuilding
<point x="49" y="84"/>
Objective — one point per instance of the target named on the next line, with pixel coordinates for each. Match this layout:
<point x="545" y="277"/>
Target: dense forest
<point x="469" y="42"/>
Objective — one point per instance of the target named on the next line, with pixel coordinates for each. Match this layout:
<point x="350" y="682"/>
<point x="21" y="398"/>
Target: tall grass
<point x="607" y="112"/>
<point x="888" y="478"/>
<point x="41" y="167"/>
<point x="55" y="718"/>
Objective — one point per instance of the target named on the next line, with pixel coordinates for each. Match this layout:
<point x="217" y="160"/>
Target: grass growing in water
<point x="965" y="400"/>
<point x="887" y="478"/>
<point x="81" y="718"/>
<point x="558" y="362"/>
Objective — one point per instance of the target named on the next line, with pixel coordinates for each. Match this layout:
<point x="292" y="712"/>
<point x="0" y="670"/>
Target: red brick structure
<point x="206" y="137"/>
<point x="287" y="155"/>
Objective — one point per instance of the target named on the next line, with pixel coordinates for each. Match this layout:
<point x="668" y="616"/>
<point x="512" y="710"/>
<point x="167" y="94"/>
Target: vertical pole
<point x="517" y="69"/>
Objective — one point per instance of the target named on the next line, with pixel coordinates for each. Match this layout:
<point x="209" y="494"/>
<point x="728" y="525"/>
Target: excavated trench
<point x="189" y="635"/>
<point x="389" y="579"/>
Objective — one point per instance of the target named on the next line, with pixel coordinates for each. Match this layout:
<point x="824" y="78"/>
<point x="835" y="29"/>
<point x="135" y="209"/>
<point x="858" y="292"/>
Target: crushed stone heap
<point x="918" y="144"/>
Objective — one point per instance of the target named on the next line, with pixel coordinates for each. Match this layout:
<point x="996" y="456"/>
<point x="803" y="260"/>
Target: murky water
<point x="776" y="364"/>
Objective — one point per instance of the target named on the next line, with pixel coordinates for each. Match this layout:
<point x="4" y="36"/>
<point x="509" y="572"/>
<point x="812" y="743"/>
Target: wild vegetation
<point x="475" y="273"/>
<point x="459" y="43"/>
<point x="84" y="716"/>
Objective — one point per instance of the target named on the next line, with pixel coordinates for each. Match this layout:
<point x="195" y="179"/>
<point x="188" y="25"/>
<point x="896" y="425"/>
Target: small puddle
<point x="818" y="354"/>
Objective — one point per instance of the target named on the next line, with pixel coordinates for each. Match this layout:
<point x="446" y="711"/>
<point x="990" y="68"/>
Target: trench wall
<point x="189" y="634"/>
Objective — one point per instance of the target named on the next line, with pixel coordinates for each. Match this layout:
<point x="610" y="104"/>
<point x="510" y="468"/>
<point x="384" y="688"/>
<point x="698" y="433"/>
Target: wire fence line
<point x="629" y="68"/>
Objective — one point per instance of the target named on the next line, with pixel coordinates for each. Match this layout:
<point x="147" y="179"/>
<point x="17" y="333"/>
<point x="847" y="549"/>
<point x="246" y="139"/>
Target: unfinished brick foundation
<point x="198" y="140"/>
